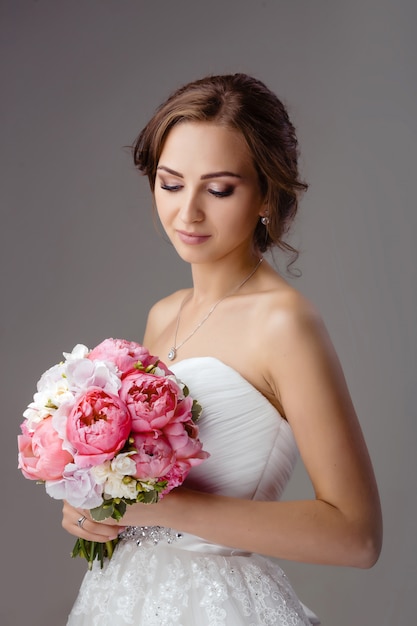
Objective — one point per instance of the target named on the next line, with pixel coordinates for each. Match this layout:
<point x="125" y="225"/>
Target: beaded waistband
<point x="154" y="535"/>
<point x="149" y="535"/>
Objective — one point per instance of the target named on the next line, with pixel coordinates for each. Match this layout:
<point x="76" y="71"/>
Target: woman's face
<point x="207" y="192"/>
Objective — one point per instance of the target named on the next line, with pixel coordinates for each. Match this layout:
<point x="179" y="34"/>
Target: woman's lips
<point x="192" y="239"/>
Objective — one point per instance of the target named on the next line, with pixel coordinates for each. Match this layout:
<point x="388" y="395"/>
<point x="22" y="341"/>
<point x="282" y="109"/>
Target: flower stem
<point x="93" y="553"/>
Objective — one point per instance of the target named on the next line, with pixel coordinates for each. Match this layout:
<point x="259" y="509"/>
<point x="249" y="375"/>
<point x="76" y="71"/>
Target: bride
<point x="221" y="158"/>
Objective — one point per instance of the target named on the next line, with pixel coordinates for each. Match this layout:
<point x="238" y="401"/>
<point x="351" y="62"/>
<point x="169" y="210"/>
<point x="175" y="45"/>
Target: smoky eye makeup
<point x="168" y="185"/>
<point x="221" y="193"/>
<point x="170" y="180"/>
<point x="174" y="187"/>
<point x="217" y="192"/>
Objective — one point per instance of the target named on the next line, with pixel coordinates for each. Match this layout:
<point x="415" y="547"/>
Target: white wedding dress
<point x="162" y="577"/>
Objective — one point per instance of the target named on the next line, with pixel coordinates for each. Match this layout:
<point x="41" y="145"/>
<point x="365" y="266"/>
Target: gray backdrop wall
<point x="80" y="259"/>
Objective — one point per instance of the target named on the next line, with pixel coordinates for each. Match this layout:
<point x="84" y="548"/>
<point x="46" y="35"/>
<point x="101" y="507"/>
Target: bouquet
<point x="107" y="428"/>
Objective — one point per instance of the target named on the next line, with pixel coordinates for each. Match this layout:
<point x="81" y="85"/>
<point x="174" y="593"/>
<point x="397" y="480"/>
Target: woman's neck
<point x="212" y="281"/>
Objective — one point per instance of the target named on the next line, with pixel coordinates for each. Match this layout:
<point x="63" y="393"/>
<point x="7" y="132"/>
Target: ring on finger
<point x="81" y="521"/>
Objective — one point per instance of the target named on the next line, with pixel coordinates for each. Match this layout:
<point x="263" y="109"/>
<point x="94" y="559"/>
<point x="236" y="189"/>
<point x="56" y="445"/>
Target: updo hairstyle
<point x="243" y="103"/>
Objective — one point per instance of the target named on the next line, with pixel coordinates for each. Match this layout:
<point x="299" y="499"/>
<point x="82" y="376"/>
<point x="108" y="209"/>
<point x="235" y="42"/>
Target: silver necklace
<point x="174" y="349"/>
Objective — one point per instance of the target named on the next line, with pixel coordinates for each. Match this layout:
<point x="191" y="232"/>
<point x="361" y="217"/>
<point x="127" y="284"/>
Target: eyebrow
<point x="203" y="177"/>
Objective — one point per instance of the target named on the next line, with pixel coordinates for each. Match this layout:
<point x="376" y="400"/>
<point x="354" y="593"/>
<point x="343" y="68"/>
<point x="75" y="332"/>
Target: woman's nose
<point x="191" y="210"/>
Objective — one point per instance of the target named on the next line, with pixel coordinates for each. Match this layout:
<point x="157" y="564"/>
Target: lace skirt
<point x="158" y="577"/>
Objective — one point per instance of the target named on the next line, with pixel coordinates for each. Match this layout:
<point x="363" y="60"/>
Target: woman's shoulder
<point x="163" y="312"/>
<point x="294" y="347"/>
<point x="282" y="303"/>
<point x="285" y="315"/>
<point x="168" y="304"/>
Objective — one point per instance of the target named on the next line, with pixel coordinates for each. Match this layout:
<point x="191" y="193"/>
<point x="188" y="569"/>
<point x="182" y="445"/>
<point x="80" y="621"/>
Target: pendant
<point x="172" y="354"/>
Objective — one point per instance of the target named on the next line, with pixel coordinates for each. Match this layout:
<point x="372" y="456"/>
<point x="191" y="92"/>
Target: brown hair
<point x="244" y="103"/>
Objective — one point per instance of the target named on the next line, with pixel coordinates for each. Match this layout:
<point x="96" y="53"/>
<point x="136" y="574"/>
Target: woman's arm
<point x="305" y="374"/>
<point x="342" y="525"/>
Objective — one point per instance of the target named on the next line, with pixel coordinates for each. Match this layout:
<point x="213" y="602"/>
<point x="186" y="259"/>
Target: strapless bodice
<point x="162" y="577"/>
<point x="252" y="448"/>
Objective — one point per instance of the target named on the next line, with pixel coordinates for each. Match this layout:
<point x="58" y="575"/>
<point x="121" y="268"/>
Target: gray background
<point x="80" y="259"/>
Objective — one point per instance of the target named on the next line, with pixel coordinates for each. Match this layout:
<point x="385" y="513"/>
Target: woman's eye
<point x="170" y="187"/>
<point x="218" y="193"/>
<point x="221" y="194"/>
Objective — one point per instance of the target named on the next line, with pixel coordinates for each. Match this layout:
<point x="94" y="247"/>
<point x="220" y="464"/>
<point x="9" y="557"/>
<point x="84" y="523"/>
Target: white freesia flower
<point x="33" y="417"/>
<point x="53" y="396"/>
<point x="123" y="465"/>
<point x="51" y="377"/>
<point x="129" y="490"/>
<point x="77" y="486"/>
<point x="101" y="472"/>
<point x="52" y="393"/>
<point x="113" y="475"/>
<point x="115" y="487"/>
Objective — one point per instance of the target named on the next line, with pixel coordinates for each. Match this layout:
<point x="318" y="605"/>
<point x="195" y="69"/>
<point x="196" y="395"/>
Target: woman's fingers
<point x="80" y="524"/>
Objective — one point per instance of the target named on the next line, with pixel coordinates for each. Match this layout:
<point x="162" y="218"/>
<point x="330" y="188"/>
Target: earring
<point x="265" y="220"/>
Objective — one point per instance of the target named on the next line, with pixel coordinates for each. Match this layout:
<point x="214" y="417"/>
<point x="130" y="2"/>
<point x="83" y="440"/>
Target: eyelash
<point x="213" y="192"/>
<point x="221" y="194"/>
<point x="171" y="187"/>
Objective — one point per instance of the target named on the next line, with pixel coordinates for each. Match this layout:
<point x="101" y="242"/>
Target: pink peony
<point x="41" y="456"/>
<point x="176" y="476"/>
<point x="183" y="438"/>
<point x="97" y="427"/>
<point x="154" y="456"/>
<point x="125" y="354"/>
<point x="154" y="401"/>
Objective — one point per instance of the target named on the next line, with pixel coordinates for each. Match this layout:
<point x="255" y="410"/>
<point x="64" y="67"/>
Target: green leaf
<point x="196" y="411"/>
<point x="119" y="510"/>
<point x="76" y="551"/>
<point x="148" y="497"/>
<point x="102" y="512"/>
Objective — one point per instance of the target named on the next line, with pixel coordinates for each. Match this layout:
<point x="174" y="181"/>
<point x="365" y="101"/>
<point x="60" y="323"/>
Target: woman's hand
<point x="88" y="529"/>
<point x="164" y="513"/>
